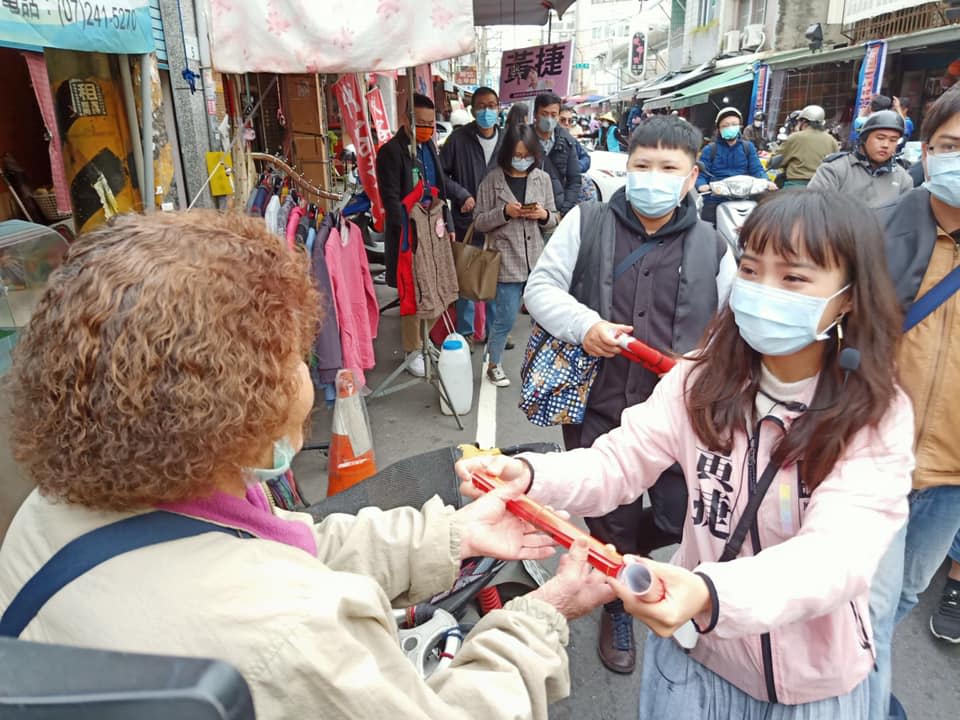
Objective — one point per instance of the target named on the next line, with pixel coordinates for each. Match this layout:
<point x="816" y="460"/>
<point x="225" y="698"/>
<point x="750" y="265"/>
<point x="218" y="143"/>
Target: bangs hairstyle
<point x="668" y="132"/>
<point x="158" y="360"/>
<point x="516" y="134"/>
<point x="832" y="231"/>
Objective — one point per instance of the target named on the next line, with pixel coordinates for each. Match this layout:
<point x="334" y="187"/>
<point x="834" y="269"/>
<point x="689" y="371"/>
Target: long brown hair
<point x="834" y="230"/>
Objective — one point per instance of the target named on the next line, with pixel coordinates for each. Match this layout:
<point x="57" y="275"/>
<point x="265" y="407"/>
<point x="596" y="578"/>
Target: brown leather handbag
<point x="477" y="268"/>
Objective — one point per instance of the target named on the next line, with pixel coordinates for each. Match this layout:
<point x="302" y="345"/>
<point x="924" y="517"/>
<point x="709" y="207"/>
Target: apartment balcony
<point x="900" y="22"/>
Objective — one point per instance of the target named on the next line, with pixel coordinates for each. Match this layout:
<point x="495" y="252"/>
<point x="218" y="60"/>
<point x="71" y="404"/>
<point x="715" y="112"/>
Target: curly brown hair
<point x="158" y="361"/>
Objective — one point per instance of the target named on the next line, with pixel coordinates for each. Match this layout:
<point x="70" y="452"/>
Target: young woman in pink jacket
<point x="796" y="444"/>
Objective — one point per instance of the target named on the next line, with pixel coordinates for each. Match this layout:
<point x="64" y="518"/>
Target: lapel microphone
<point x="849" y="361"/>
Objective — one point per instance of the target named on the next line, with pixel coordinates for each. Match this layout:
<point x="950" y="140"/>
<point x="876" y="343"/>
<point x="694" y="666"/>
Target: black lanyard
<point x="758" y="490"/>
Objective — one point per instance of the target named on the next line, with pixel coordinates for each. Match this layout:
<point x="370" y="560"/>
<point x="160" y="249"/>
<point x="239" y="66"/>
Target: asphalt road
<point x="926" y="671"/>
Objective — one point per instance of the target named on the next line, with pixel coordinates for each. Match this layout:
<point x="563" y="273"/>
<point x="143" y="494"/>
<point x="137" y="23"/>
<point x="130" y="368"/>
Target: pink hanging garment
<point x="37" y="67"/>
<point x="354" y="296"/>
<point x="293" y="220"/>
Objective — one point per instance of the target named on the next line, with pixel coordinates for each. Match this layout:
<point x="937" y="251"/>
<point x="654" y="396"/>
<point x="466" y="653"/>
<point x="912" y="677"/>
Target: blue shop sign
<point x="108" y="26"/>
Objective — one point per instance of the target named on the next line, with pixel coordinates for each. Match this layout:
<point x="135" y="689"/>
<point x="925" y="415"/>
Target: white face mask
<point x="778" y="322"/>
<point x="282" y="457"/>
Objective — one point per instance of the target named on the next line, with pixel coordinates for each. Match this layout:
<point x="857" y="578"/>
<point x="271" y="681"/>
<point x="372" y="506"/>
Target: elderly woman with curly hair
<point x="163" y="365"/>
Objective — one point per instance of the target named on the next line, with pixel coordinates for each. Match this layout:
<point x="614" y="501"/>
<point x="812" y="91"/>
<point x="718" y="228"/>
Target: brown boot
<point x="616" y="645"/>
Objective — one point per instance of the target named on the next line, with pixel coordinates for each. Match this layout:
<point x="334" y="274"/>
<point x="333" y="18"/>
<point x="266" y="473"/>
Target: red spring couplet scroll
<point x="636" y="575"/>
<point x="638" y="352"/>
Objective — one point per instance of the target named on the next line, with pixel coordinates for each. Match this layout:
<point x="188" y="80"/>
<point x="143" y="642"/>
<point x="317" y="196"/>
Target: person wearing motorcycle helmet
<point x="754" y="132"/>
<point x="869" y="172"/>
<point x="802" y="152"/>
<point x="727" y="155"/>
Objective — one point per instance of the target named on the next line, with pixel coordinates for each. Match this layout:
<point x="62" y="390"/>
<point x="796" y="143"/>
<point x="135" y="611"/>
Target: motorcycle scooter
<point x="740" y="194"/>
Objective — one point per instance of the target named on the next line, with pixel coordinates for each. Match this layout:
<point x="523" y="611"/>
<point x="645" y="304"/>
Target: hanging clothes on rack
<point x="296" y="215"/>
<point x="327" y="352"/>
<point x="434" y="274"/>
<point x="358" y="314"/>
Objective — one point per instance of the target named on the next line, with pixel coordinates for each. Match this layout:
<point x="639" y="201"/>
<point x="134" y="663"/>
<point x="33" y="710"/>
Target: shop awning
<point x="673" y="82"/>
<point x="700" y="92"/>
<point x="516" y="12"/>
<point x="796" y="59"/>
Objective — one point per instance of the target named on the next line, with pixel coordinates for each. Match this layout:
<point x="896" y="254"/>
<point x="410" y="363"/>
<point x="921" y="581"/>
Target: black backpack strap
<point x="633" y="258"/>
<point x="93" y="548"/>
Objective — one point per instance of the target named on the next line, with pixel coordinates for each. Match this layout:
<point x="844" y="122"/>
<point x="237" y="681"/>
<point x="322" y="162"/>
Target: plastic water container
<point x="456" y="371"/>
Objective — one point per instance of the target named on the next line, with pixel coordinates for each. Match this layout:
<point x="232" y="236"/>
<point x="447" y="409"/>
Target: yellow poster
<point x="96" y="141"/>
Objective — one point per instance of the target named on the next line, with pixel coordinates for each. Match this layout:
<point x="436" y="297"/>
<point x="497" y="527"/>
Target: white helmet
<point x="813" y="113"/>
<point x="728" y="111"/>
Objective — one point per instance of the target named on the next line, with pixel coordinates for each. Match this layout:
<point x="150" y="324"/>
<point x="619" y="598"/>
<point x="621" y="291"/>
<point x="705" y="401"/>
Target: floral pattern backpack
<point x="555" y="380"/>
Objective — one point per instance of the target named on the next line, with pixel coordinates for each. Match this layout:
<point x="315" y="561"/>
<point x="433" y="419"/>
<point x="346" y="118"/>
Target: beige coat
<point x="519" y="241"/>
<point x="313" y="636"/>
<point x="930" y="370"/>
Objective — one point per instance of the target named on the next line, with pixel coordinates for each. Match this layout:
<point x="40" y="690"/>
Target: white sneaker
<point x="496" y="375"/>
<point x="415" y="364"/>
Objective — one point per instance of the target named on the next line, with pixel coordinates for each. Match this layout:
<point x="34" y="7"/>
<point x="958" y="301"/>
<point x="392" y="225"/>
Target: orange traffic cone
<point x="351" y="446"/>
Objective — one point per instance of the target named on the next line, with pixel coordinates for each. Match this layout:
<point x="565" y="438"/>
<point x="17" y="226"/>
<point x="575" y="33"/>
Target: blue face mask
<point x="653" y="194"/>
<point x="547" y="124"/>
<point x="521" y="164"/>
<point x="730" y="133"/>
<point x="486" y="118"/>
<point x="944" y="182"/>
<point x="282" y="457"/>
<point x="778" y="322"/>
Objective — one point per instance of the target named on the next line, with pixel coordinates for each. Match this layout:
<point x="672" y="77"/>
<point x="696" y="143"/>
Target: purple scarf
<point x="252" y="513"/>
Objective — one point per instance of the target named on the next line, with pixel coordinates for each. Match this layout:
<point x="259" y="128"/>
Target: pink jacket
<point x="356" y="301"/>
<point x="790" y="622"/>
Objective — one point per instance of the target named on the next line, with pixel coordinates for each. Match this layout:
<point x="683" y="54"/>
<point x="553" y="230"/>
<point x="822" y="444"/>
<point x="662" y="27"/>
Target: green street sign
<point x="581" y="66"/>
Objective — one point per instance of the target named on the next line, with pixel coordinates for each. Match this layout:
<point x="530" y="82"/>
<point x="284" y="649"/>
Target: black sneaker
<point x="945" y="621"/>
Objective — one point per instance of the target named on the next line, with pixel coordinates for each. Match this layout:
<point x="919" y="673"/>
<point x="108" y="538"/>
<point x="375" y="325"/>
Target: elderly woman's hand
<point x="488" y="528"/>
<point x="577" y="588"/>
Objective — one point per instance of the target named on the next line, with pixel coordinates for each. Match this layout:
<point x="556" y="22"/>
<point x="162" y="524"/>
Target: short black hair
<point x="880" y="102"/>
<point x="423" y="102"/>
<point x="516" y="134"/>
<point x="666" y="131"/>
<point x="483" y="90"/>
<point x="544" y="99"/>
<point x="940" y="113"/>
<point x="905" y="103"/>
<point x="568" y="108"/>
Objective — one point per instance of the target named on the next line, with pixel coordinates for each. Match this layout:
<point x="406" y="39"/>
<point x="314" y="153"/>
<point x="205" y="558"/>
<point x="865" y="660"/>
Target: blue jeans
<point x="465" y="317"/>
<point x="504" y="310"/>
<point x="955" y="548"/>
<point x="905" y="571"/>
<point x="674" y="685"/>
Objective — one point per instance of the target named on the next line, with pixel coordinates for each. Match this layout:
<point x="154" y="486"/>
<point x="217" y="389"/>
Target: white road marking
<point x="486" y="411"/>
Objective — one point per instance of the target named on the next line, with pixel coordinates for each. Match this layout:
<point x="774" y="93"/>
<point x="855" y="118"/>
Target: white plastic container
<point x="456" y="371"/>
